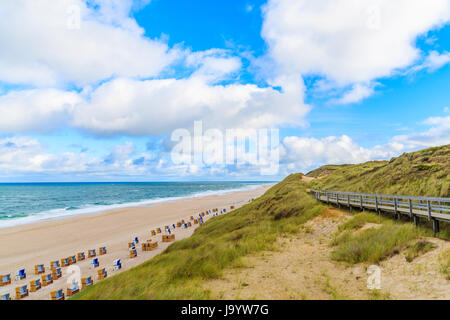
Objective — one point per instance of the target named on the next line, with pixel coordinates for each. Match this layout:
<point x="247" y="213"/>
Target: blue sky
<point x="95" y="91"/>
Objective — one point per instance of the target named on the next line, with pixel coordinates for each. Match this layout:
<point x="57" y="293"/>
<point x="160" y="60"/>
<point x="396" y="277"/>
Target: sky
<point x="94" y="90"/>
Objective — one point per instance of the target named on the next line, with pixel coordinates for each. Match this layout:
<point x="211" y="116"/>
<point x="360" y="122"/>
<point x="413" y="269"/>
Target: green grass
<point x="444" y="266"/>
<point x="421" y="173"/>
<point x="417" y="249"/>
<point x="374" y="244"/>
<point x="178" y="273"/>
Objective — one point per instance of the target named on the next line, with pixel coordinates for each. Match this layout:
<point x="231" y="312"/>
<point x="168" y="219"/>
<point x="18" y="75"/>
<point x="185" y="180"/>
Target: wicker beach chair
<point x="65" y="262"/>
<point x="73" y="289"/>
<point x="92" y="253"/>
<point x="81" y="256"/>
<point x="5" y="296"/>
<point x="39" y="268"/>
<point x="133" y="253"/>
<point x="72" y="259"/>
<point x="47" y="279"/>
<point x="56" y="273"/>
<point x="35" y="285"/>
<point x="54" y="265"/>
<point x="57" y="294"/>
<point x="22" y="291"/>
<point x="86" y="282"/>
<point x="5" y="279"/>
<point x="102" y="274"/>
<point x="102" y="251"/>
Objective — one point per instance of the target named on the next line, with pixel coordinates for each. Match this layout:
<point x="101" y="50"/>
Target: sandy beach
<point x="25" y="246"/>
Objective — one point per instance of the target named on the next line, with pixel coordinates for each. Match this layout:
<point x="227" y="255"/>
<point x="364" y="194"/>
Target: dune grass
<point x="375" y="244"/>
<point x="444" y="266"/>
<point x="220" y="243"/>
<point x="421" y="173"/>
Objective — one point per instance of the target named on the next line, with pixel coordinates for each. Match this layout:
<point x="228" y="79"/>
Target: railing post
<point x="429" y="209"/>
<point x="435" y="226"/>
<point x="395" y="209"/>
<point x="328" y="197"/>
<point x="410" y="209"/>
<point x="376" y="205"/>
<point x="360" y="201"/>
<point x="348" y="203"/>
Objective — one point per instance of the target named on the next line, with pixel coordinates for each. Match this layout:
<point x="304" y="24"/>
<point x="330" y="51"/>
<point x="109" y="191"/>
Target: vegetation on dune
<point x="220" y="243"/>
<point x="421" y="173"/>
<point x="445" y="263"/>
<point x="180" y="271"/>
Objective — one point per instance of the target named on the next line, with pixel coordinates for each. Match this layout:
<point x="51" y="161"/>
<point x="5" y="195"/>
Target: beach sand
<point x="25" y="246"/>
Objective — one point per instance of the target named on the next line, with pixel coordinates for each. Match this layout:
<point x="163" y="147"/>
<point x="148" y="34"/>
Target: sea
<point x="22" y="203"/>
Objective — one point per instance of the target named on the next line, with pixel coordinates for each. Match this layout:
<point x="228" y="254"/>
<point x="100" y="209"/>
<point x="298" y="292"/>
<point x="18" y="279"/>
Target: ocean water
<point x="22" y="203"/>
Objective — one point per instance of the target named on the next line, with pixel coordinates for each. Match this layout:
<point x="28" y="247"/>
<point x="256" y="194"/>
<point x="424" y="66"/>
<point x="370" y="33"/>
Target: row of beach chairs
<point x="55" y="266"/>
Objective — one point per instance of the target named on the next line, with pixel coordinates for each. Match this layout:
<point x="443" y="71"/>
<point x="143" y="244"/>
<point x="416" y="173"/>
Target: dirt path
<point x="302" y="269"/>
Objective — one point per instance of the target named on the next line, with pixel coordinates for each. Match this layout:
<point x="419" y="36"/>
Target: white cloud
<point x="438" y="134"/>
<point x="39" y="48"/>
<point x="37" y="110"/>
<point x="156" y="107"/>
<point x="349" y="42"/>
<point x="432" y="62"/>
<point x="304" y="154"/>
<point x="357" y="93"/>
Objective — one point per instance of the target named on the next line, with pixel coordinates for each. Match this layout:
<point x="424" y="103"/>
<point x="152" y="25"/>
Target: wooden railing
<point x="433" y="209"/>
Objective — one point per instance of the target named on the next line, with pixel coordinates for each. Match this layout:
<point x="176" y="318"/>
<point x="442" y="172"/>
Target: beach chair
<point x="92" y="253"/>
<point x="94" y="263"/>
<point x="5" y="279"/>
<point x="39" y="268"/>
<point x="173" y="226"/>
<point x="102" y="274"/>
<point x="195" y="221"/>
<point x="117" y="265"/>
<point x="158" y="230"/>
<point x="178" y="224"/>
<point x="225" y="210"/>
<point x="192" y="218"/>
<point x="57" y="294"/>
<point x="5" y="296"/>
<point x="20" y="274"/>
<point x="22" y="291"/>
<point x="35" y="285"/>
<point x="81" y="256"/>
<point x="131" y="245"/>
<point x="65" y="262"/>
<point x="153" y="232"/>
<point x="86" y="282"/>
<point x="185" y="225"/>
<point x="136" y="240"/>
<point x="168" y="237"/>
<point x="54" y="265"/>
<point x="56" y="273"/>
<point x="231" y="207"/>
<point x="102" y="251"/>
<point x="73" y="289"/>
<point x="47" y="279"/>
<point x="189" y="224"/>
<point x="133" y="253"/>
<point x="72" y="259"/>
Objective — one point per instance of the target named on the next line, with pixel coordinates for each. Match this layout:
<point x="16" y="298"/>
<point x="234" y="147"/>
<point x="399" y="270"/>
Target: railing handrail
<point x="434" y="199"/>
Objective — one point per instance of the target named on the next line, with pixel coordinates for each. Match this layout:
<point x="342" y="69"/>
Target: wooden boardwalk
<point x="433" y="209"/>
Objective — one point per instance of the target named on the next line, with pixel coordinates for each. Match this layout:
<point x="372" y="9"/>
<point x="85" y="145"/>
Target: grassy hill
<point x="218" y="244"/>
<point x="422" y="173"/>
<point x="178" y="273"/>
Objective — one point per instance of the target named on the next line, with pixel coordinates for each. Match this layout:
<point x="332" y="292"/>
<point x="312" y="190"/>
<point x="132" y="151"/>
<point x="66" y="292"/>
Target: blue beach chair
<point x="94" y="263"/>
<point x="20" y="274"/>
